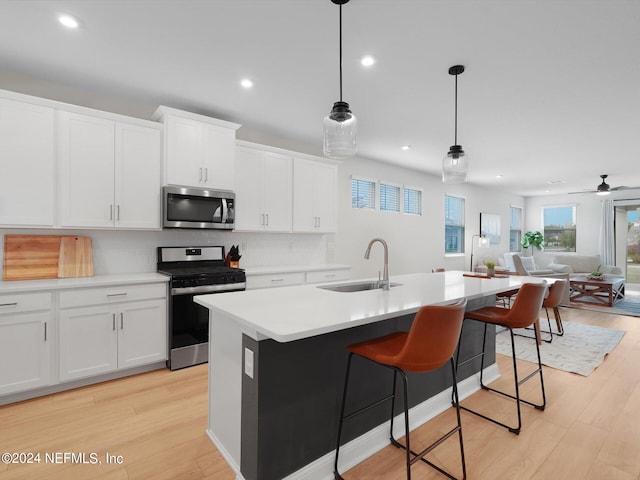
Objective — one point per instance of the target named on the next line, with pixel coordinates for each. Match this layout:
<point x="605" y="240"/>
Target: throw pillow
<point x="557" y="268"/>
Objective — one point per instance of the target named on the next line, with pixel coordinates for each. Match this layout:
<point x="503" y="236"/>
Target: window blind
<point x="389" y="198"/>
<point x="363" y="194"/>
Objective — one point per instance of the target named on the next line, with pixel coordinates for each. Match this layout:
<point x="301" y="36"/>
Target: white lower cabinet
<point x="113" y="335"/>
<point x="104" y="338"/>
<point x="25" y="341"/>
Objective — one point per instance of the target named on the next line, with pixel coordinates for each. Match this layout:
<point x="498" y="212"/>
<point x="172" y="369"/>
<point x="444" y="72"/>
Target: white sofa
<point x="582" y="265"/>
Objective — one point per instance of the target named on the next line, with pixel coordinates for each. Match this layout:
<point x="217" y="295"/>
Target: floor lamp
<point x="483" y="242"/>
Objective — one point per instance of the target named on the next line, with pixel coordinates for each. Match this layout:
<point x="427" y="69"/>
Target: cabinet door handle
<point x="113" y="316"/>
<point x="121" y="321"/>
<point x="262" y="219"/>
<point x="8" y="304"/>
<point x="45" y="331"/>
<point x="110" y="212"/>
<point x="206" y="174"/>
<point x="118" y="212"/>
<point x="267" y="215"/>
<point x="318" y="222"/>
<point x="200" y="175"/>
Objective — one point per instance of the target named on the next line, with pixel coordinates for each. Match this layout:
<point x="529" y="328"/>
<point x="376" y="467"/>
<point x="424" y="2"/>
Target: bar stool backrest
<point x="433" y="337"/>
<point x="526" y="308"/>
<point x="555" y="294"/>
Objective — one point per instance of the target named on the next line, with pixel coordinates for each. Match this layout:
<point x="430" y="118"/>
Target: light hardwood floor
<point x="156" y="422"/>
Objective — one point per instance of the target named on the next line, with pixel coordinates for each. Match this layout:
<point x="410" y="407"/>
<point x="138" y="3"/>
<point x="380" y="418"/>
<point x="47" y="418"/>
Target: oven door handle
<point x="228" y="287"/>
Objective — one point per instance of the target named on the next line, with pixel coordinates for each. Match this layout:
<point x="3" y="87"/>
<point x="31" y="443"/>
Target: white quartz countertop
<point x="15" y="286"/>
<point x="294" y="269"/>
<point x="294" y="313"/>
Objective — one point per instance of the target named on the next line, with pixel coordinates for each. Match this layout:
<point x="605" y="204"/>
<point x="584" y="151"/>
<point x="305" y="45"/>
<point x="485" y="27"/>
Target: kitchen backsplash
<point x="121" y="251"/>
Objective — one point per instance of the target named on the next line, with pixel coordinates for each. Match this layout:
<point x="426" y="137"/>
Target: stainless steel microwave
<point x="195" y="208"/>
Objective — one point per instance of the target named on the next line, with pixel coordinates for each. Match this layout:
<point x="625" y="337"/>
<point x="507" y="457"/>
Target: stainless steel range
<point x="193" y="271"/>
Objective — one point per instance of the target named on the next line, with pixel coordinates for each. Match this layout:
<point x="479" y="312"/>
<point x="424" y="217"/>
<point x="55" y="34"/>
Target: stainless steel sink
<point x="356" y="287"/>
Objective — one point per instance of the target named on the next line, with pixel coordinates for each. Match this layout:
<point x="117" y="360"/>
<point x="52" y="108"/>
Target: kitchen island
<point x="277" y="359"/>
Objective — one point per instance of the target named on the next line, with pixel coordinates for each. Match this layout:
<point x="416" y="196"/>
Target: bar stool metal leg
<point x="517" y="382"/>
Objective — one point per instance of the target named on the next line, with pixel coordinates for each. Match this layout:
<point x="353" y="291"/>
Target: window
<point x="412" y="201"/>
<point x="389" y="198"/>
<point x="515" y="229"/>
<point x="560" y="228"/>
<point x="363" y="194"/>
<point x="453" y="224"/>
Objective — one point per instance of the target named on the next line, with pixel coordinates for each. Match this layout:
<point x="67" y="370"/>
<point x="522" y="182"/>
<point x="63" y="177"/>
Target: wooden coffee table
<point x="598" y="292"/>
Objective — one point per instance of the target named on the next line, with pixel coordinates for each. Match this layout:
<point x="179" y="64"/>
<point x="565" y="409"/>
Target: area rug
<point x="580" y="350"/>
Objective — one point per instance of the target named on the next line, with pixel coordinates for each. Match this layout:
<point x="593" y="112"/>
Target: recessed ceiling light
<point x="367" y="61"/>
<point x="406" y="147"/>
<point x="498" y="176"/>
<point x="68" y="21"/>
<point x="246" y="83"/>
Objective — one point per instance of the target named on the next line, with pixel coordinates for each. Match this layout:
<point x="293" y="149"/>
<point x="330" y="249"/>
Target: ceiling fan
<point x="604" y="188"/>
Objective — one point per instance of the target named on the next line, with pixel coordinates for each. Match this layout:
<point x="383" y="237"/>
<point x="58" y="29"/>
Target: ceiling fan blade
<point x="583" y="192"/>
<point x="622" y="187"/>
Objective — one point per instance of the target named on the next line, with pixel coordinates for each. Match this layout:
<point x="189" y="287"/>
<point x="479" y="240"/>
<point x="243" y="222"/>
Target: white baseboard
<point x="375" y="440"/>
<point x="223" y="451"/>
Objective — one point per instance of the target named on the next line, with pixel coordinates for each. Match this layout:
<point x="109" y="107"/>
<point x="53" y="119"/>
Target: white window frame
<point x="400" y="196"/>
<point x="404" y="206"/>
<point x="375" y="192"/>
<point x="464" y="225"/>
<point x="521" y="229"/>
<point x="574" y="206"/>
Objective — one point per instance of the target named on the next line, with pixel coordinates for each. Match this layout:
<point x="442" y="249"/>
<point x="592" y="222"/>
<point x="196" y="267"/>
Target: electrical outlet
<point x="248" y="362"/>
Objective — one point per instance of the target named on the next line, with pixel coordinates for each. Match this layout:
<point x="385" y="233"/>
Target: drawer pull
<point x="13" y="304"/>
<point x="277" y="279"/>
<point x="116" y="294"/>
<point x="45" y="331"/>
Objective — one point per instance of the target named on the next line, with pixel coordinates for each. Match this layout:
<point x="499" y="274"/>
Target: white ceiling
<point x="551" y="90"/>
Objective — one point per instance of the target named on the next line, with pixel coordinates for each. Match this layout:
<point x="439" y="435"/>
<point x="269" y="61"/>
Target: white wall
<point x="416" y="243"/>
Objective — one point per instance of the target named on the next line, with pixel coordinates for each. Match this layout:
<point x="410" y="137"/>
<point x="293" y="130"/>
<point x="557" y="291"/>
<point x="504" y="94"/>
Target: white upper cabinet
<point x="138" y="177"/>
<point x="263" y="190"/>
<point x="109" y="172"/>
<point x="27" y="153"/>
<point x="314" y="196"/>
<point x="199" y="150"/>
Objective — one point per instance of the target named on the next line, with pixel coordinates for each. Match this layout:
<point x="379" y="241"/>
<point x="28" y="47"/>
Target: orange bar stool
<point x="427" y="346"/>
<point x="553" y="299"/>
<point x="524" y="313"/>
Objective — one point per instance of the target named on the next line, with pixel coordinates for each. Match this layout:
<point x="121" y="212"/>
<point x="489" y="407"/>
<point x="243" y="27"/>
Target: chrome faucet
<point x="384" y="284"/>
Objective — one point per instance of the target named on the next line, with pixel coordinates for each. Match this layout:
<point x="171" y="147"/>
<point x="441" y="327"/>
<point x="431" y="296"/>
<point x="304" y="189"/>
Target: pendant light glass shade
<point x="340" y="131"/>
<point x="455" y="164"/>
<point x="340" y="125"/>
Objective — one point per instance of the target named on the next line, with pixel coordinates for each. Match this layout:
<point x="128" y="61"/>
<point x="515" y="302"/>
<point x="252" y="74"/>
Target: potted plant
<point x="532" y="239"/>
<point x="491" y="268"/>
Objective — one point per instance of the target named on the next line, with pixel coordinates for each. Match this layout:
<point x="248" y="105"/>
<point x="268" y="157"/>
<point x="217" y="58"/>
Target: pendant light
<point x="456" y="164"/>
<point x="340" y="126"/>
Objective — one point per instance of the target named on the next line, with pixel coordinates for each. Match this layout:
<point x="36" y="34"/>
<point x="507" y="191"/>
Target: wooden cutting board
<point x="30" y="257"/>
<point x="76" y="257"/>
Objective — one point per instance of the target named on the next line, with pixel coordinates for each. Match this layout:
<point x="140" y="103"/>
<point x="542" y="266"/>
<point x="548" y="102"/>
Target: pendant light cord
<point x="455" y="135"/>
<point x="340" y="52"/>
